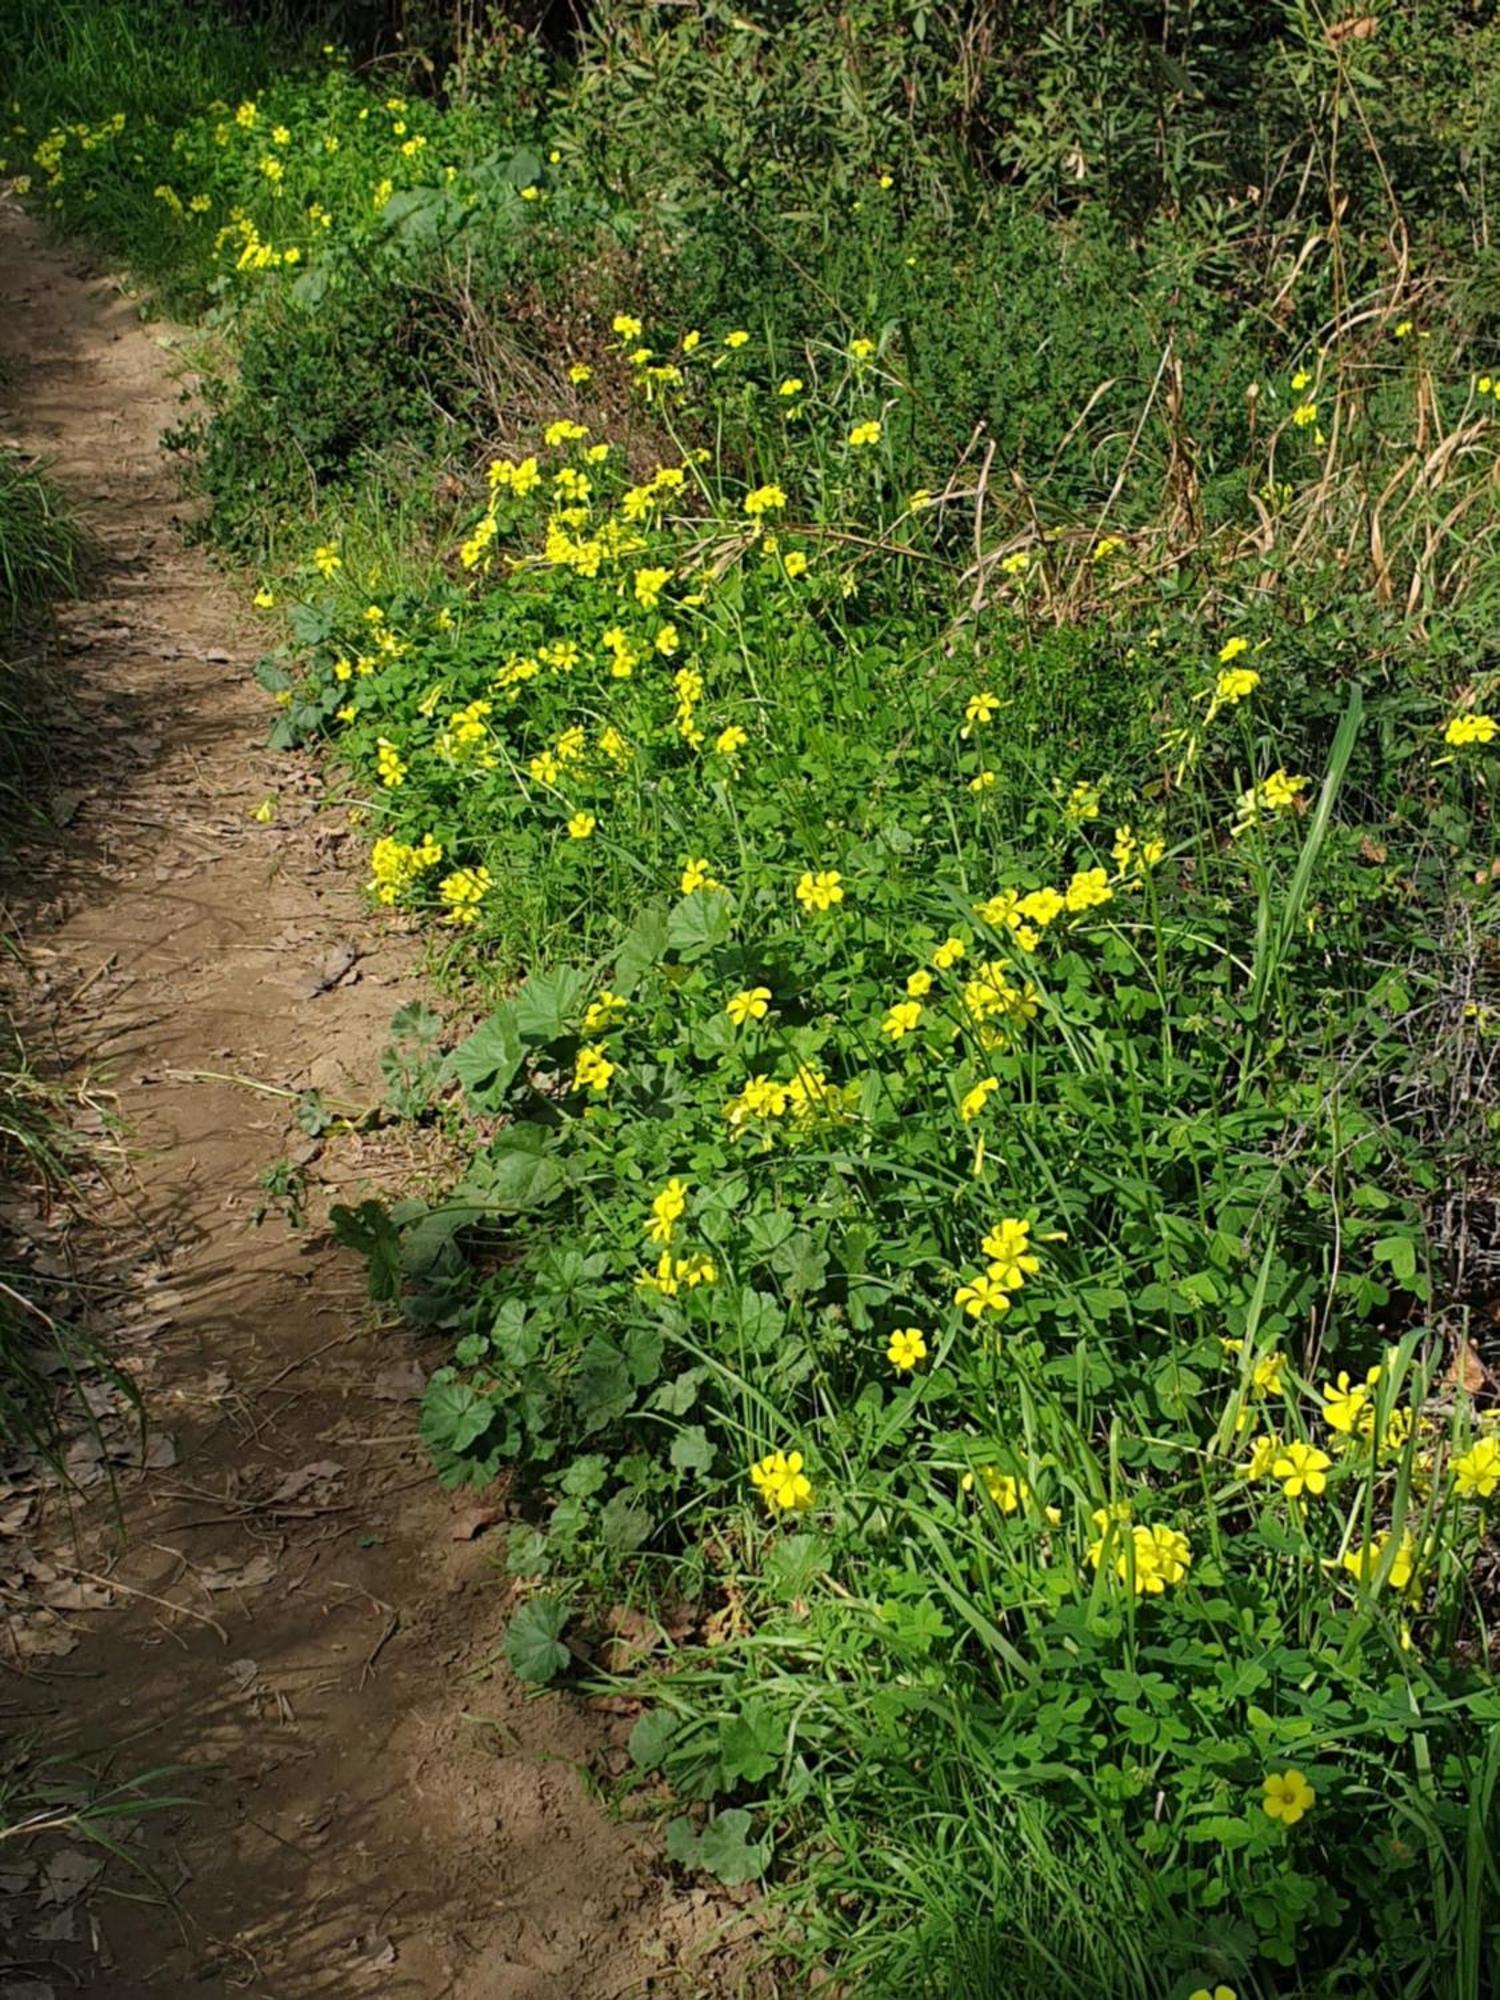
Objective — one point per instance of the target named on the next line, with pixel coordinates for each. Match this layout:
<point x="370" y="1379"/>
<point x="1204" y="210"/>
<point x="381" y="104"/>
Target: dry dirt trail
<point x="376" y="1807"/>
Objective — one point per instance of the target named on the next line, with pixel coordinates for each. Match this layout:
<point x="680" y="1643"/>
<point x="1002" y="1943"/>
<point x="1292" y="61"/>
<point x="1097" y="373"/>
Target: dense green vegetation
<point x="908" y="590"/>
<point x="40" y="552"/>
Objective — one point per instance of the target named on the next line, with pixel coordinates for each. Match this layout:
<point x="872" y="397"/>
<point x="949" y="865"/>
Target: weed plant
<point x="949" y="729"/>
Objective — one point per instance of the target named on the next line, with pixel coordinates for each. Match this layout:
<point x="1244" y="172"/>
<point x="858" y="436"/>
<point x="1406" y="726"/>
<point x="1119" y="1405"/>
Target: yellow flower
<point x="265" y="812"/>
<point x="865" y="433"/>
<point x="1217" y="1993"/>
<point x="1266" y="1375"/>
<point x="794" y="563"/>
<point x="752" y="1003"/>
<point x="737" y="338"/>
<point x="729" y="742"/>
<point x="695" y="876"/>
<point x="326" y="560"/>
<point x="1286" y="1795"/>
<point x="580" y="373"/>
<point x="820" y="891"/>
<point x="691" y="341"/>
<point x="1476" y="1474"/>
<point x="1364" y="1564"/>
<point x="764" y="500"/>
<point x="973" y="1101"/>
<point x="1045" y="906"/>
<point x="1264" y="1451"/>
<point x="1301" y="1469"/>
<point x="781" y="1482"/>
<point x="626" y="326"/>
<point x="648" y="586"/>
<point x="792" y="386"/>
<point x="901" y="1019"/>
<point x="1473" y="728"/>
<point x="1088" y="888"/>
<point x="1234" y="684"/>
<point x="1231" y="650"/>
<point x="948" y="953"/>
<point x="1344" y="1402"/>
<point x="592" y="1069"/>
<point x="918" y="984"/>
<point x="979" y="709"/>
<point x="906" y="1348"/>
<point x="861" y="348"/>
<point x="1008" y="1247"/>
<point x="604" y="1012"/>
<point x="463" y="891"/>
<point x="581" y="825"/>
<point x="1305" y="414"/>
<point x="981" y="1294"/>
<point x="666" y="1211"/>
<point x="388" y="763"/>
<point x="265" y="597"/>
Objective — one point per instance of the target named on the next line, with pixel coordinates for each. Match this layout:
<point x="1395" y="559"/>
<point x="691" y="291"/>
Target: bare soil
<point x="291" y="1614"/>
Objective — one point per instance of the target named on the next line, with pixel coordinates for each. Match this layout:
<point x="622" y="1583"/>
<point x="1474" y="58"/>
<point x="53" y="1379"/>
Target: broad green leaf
<point x="651" y="1739"/>
<point x="532" y="1644"/>
<point x="454" y="1417"/>
<point x="487" y="1062"/>
<point x="751" y="1743"/>
<point x="700" y="923"/>
<point x="549" y="1004"/>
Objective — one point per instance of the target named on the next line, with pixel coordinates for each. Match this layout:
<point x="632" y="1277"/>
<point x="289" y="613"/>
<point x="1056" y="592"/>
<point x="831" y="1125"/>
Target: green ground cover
<point x="918" y="629"/>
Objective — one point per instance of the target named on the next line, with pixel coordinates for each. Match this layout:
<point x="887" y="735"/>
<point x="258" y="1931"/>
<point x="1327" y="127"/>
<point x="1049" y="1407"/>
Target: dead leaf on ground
<point x="67" y="1874"/>
<point x="373" y="1954"/>
<point x="296" y="1485"/>
<point x="1466" y="1371"/>
<point x="226" y="1574"/>
<point x="403" y="1384"/>
<point x="469" y="1524"/>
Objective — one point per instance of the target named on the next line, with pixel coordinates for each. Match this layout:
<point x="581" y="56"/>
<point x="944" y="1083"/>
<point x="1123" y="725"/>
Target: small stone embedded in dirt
<point x="331" y="969"/>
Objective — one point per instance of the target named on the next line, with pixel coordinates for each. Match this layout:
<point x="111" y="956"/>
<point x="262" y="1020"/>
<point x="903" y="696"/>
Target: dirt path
<point x="377" y="1808"/>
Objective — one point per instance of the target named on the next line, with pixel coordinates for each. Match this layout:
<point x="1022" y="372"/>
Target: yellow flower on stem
<point x="906" y="1348"/>
<point x="1286" y="1795"/>
<point x="752" y="1003"/>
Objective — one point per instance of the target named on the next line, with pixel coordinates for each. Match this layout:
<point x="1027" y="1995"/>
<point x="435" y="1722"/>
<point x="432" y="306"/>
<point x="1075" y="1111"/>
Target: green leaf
<point x="369" y="1230"/>
<point x="602" y="1387"/>
<point x="751" y="1743"/>
<point x="531" y="1640"/>
<point x="1400" y="1252"/>
<point x="725" y="1851"/>
<point x="487" y="1062"/>
<point x="700" y="923"/>
<point x="761" y="1318"/>
<point x="691" y="1450"/>
<point x="549" y="1004"/>
<point x="641" y="948"/>
<point x="521" y="1170"/>
<point x="625" y="1524"/>
<point x="1223" y="1829"/>
<point x="652" y="1738"/>
<point x="454" y="1417"/>
<point x="271" y="676"/>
